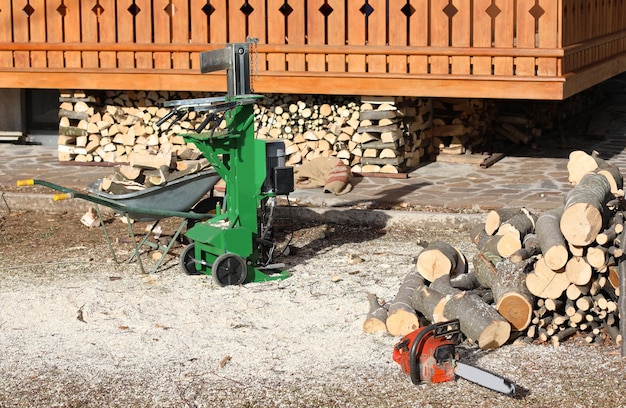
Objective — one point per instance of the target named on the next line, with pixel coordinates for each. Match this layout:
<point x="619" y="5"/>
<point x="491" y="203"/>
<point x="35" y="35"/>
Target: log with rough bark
<point x="479" y="321"/>
<point x="401" y="316"/>
<point x="499" y="216"/>
<point x="530" y="247"/>
<point x="519" y="225"/>
<point x="508" y="283"/>
<point x="438" y="259"/>
<point x="551" y="239"/>
<point x="376" y="318"/>
<point x="584" y="213"/>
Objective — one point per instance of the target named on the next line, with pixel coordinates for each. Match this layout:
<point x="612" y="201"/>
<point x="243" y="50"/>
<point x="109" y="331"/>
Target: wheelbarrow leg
<point x="166" y="249"/>
<point x="106" y="234"/>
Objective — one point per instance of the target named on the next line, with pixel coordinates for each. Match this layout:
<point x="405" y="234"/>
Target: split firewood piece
<point x="578" y="271"/>
<point x="376" y="317"/>
<point x="583" y="215"/>
<point x="551" y="239"/>
<point x="530" y="247"/>
<point x="519" y="225"/>
<point x="440" y="258"/>
<point x="479" y="321"/>
<point x="507" y="281"/>
<point x="153" y="161"/>
<point x="499" y="216"/>
<point x="546" y="283"/>
<point x="401" y="316"/>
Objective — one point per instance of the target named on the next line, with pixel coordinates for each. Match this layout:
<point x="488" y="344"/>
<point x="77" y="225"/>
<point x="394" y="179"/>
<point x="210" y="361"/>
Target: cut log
<point x="578" y="271"/>
<point x="479" y="321"/>
<point x="583" y="216"/>
<point x="551" y="240"/>
<point x="502" y="245"/>
<point x="508" y="283"/>
<point x="376" y="317"/>
<point x="401" y="317"/>
<point x="519" y="225"/>
<point x="497" y="217"/>
<point x="546" y="283"/>
<point x="530" y="247"/>
<point x="438" y="259"/>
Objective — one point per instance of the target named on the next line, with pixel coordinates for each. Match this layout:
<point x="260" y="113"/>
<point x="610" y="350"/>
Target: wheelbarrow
<point x="179" y="198"/>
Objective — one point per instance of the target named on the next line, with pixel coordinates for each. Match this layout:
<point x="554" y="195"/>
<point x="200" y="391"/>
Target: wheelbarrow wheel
<point x="187" y="260"/>
<point x="229" y="269"/>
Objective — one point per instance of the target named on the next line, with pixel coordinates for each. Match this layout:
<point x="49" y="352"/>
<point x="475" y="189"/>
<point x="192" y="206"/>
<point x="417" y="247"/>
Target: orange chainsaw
<point x="429" y="355"/>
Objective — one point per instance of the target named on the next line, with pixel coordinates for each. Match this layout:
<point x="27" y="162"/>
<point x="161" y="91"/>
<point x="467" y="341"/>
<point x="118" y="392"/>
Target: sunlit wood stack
<point x="540" y="278"/>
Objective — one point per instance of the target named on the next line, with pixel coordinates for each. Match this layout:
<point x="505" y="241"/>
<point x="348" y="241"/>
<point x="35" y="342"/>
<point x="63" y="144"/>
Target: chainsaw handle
<point x="414" y="366"/>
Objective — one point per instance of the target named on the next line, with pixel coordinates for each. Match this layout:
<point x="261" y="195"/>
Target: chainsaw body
<point x="429" y="354"/>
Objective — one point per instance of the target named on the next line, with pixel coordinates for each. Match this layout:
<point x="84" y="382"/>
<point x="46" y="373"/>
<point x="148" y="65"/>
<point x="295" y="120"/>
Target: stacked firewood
<point x="379" y="135"/>
<point x="115" y="126"/>
<point x="543" y="278"/>
<point x="459" y="125"/>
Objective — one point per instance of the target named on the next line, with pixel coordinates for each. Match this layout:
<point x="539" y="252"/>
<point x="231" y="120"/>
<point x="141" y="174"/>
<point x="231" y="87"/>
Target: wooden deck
<point x="521" y="49"/>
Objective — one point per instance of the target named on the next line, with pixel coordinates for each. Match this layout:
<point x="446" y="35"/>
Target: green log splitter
<point x="234" y="246"/>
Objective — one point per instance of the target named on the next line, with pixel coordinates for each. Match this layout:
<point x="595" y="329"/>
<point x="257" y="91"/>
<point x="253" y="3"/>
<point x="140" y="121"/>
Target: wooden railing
<point x="483" y="48"/>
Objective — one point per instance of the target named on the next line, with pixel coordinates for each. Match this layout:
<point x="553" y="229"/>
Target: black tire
<point x="187" y="260"/>
<point x="229" y="269"/>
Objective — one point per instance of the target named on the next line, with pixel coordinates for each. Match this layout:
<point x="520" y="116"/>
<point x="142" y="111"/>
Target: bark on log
<point x="502" y="245"/>
<point x="520" y="225"/>
<point x="376" y="317"/>
<point x="401" y="317"/>
<point x="583" y="216"/>
<point x="507" y="281"/>
<point x="530" y="247"/>
<point x="551" y="240"/>
<point x="497" y="217"/>
<point x="438" y="259"/>
<point x="479" y="321"/>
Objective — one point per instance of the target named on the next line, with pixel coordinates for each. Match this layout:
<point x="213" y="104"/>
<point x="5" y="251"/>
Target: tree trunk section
<point x="545" y="283"/>
<point x="583" y="216"/>
<point x="376" y="317"/>
<point x="551" y="240"/>
<point x="508" y="283"/>
<point x="438" y="259"/>
<point x="499" y="216"/>
<point x="401" y="317"/>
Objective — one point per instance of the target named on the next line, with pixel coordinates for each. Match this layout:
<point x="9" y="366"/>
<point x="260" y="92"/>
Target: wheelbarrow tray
<point x="178" y="195"/>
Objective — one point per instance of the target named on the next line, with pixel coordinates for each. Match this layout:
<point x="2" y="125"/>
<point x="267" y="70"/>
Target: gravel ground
<point x="79" y="330"/>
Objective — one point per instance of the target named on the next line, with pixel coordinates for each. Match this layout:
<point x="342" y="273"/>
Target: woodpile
<point x="115" y="126"/>
<point x="538" y="278"/>
<point x="386" y="135"/>
<point x="377" y="135"/>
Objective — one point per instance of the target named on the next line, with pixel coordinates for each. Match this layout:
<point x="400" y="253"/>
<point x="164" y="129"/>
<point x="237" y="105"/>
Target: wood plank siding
<point x="527" y="49"/>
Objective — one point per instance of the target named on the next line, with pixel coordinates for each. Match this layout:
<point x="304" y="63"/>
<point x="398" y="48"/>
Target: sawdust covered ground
<point x="77" y="329"/>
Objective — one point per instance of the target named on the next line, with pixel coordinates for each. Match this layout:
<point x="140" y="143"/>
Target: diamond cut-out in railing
<point x="97" y="9"/>
<point x="366" y="9"/>
<point x="62" y="10"/>
<point x="537" y="11"/>
<point x="247" y="9"/>
<point x="285" y="9"/>
<point x="28" y="10"/>
<point x="134" y="9"/>
<point x="326" y="9"/>
<point x="408" y="10"/>
<point x="493" y="10"/>
<point x="208" y="9"/>
<point x="169" y="9"/>
<point x="450" y="10"/>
